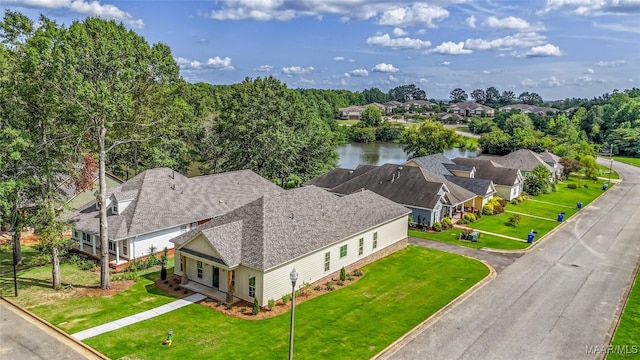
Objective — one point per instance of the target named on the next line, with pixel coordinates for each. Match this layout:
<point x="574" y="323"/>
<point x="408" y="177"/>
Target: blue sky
<point x="557" y="48"/>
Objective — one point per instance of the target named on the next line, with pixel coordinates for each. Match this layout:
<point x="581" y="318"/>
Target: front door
<point x="216" y="277"/>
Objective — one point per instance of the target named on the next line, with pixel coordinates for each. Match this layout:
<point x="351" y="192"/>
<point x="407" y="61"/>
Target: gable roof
<point x="488" y="169"/>
<point x="434" y="163"/>
<point x="338" y="176"/>
<point x="480" y="187"/>
<point x="468" y="105"/>
<point x="278" y="228"/>
<point x="163" y="198"/>
<point x="523" y="159"/>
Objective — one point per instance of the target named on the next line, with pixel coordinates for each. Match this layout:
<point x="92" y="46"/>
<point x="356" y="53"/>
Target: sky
<point x="556" y="48"/>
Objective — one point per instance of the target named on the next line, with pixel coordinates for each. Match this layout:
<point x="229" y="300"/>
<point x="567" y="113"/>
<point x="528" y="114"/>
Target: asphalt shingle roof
<point x="523" y="159"/>
<point x="163" y="198"/>
<point x="338" y="176"/>
<point x="278" y="228"/>
<point x="487" y="169"/>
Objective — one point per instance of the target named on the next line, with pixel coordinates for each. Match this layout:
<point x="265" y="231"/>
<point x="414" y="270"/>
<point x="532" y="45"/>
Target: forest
<point x="96" y="96"/>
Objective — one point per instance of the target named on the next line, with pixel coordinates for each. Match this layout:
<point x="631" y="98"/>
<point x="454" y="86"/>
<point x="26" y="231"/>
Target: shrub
<point x="349" y="277"/>
<point x="514" y="220"/>
<point x="502" y="202"/>
<point x="343" y="274"/>
<point x="229" y="306"/>
<point x="572" y="186"/>
<point x="330" y="286"/>
<point x="488" y="209"/>
<point x="585" y="185"/>
<point x="270" y="304"/>
<point x="437" y="226"/>
<point x="285" y="298"/>
<point x="470" y="217"/>
<point x="462" y="221"/>
<point x="317" y="288"/>
<point x="357" y="272"/>
<point x="296" y="293"/>
<point x="75" y="259"/>
<point x="218" y="303"/>
<point x="256" y="307"/>
<point x="340" y="283"/>
<point x="498" y="209"/>
<point x="447" y="221"/>
<point x="554" y="187"/>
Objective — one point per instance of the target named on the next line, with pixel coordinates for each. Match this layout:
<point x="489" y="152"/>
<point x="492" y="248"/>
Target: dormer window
<point x="114" y="208"/>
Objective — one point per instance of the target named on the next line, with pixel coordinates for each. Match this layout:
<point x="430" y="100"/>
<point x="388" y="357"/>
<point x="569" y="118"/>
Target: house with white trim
<point x="249" y="252"/>
<point x="155" y="206"/>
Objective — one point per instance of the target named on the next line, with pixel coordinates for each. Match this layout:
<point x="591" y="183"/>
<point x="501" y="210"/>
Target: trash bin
<point x="531" y="237"/>
<point x="561" y="217"/>
<point x="604" y="186"/>
<point x="579" y="205"/>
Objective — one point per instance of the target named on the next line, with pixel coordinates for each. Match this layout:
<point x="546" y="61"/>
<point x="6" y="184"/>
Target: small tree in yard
<point x="514" y="220"/>
<point x="256" y="307"/>
<point x="343" y="274"/>
<point x="537" y="181"/>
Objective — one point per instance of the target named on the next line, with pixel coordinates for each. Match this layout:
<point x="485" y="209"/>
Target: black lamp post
<point x="293" y="277"/>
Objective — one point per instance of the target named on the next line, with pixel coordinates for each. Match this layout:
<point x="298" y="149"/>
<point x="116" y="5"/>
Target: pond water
<point x="354" y="154"/>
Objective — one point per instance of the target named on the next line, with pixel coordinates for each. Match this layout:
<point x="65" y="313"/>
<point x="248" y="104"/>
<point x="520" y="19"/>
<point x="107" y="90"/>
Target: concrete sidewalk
<point x="145" y="315"/>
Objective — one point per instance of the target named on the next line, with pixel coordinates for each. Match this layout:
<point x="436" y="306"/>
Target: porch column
<point x="81" y="244"/>
<point x="230" y="281"/>
<point x="184" y="279"/>
<point x="117" y="246"/>
<point x="93" y="242"/>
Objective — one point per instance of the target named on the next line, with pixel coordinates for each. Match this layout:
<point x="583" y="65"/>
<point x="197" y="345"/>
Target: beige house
<point x="248" y="253"/>
<point x="469" y="109"/>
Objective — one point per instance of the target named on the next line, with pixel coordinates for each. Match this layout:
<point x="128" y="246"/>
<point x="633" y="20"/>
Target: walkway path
<point x="117" y="324"/>
<point x="529" y="215"/>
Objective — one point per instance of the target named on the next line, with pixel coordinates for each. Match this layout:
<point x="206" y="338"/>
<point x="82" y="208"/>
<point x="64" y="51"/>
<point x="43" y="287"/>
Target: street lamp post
<point x="293" y="277"/>
<point x="611" y="164"/>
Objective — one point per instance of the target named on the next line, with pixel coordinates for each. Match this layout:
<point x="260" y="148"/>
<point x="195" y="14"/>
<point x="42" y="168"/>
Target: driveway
<point x="563" y="295"/>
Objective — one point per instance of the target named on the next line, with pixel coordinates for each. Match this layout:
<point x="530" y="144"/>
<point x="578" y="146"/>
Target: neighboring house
<point x="75" y="199"/>
<point x="429" y="196"/>
<point x="450" y="118"/>
<point x="508" y="182"/>
<point x="459" y="174"/>
<point x="418" y="105"/>
<point x="390" y="105"/>
<point x="469" y="109"/>
<point x="351" y="112"/>
<point x="159" y="204"/>
<point x="525" y="109"/>
<point x="339" y="176"/>
<point x="249" y="252"/>
<point x="526" y="160"/>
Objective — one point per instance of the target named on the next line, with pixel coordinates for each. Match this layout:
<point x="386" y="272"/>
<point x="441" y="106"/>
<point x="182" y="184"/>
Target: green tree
<point x="428" y="138"/>
<point x="479" y="96"/>
<point x="458" y="95"/>
<point x="371" y="116"/>
<point x="518" y="121"/>
<point x="537" y="181"/>
<point x="404" y="93"/>
<point x="589" y="166"/>
<point x="496" y="142"/>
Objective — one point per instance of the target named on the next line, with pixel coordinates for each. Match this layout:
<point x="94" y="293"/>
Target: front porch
<point x="215" y="294"/>
<point x="117" y="266"/>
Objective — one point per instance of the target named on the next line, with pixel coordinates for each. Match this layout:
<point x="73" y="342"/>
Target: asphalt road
<point x="562" y="296"/>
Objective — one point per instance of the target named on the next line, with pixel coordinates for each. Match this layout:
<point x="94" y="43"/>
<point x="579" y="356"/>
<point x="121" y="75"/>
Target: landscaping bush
<point x="572" y="186"/>
<point x="488" y="209"/>
<point x="470" y="217"/>
<point x="256" y="307"/>
<point x="585" y="185"/>
<point x="357" y="272"/>
<point x="437" y="226"/>
<point x="498" y="209"/>
<point x="340" y="283"/>
<point x="514" y="220"/>
<point x="501" y="201"/>
<point x="462" y="222"/>
<point x="343" y="274"/>
<point x="285" y="298"/>
<point x="330" y="286"/>
<point x="317" y="288"/>
<point x="270" y="304"/>
<point x="447" y="221"/>
<point x="229" y="306"/>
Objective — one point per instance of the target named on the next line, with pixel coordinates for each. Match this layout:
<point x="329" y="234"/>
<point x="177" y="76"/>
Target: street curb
<point x="425" y="324"/>
<point x="36" y="320"/>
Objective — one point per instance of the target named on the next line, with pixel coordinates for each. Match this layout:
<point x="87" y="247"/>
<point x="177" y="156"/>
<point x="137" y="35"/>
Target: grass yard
<point x="499" y="224"/>
<point x="486" y="241"/>
<point x="604" y="172"/>
<point x="628" y="332"/>
<point x="570" y="197"/>
<point x="355" y="322"/>
<point x="543" y="209"/>
<point x="628" y="160"/>
<point x="30" y="257"/>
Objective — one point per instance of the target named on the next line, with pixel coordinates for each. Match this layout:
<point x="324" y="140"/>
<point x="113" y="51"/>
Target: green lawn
<point x="499" y="224"/>
<point x="570" y="197"/>
<point x="30" y="257"/>
<point x="355" y="322"/>
<point x="628" y="332"/>
<point x="543" y="209"/>
<point x="486" y="241"/>
<point x="604" y="172"/>
<point x="628" y="160"/>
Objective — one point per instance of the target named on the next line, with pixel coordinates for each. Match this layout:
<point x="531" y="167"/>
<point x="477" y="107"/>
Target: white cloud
<point x="360" y="72"/>
<point x="339" y="58"/>
<point x="525" y="39"/>
<point x="450" y="48"/>
<point x="544" y="50"/>
<point x="634" y="29"/>
<point x="347" y="75"/>
<point x="589" y="71"/>
<point x="612" y="63"/>
<point x="445" y="63"/>
<point x="423" y="81"/>
<point x="263" y="68"/>
<point x="387" y="68"/>
<point x="421" y="32"/>
<point x="415" y="15"/>
<point x="297" y="70"/>
<point x="398" y="43"/>
<point x="216" y="63"/>
<point x="548" y="82"/>
<point x="471" y="21"/>
<point x="511" y="23"/>
<point x="393" y="78"/>
<point x="398" y="32"/>
<point x="486" y="72"/>
<point x="93" y="8"/>
<point x="593" y="7"/>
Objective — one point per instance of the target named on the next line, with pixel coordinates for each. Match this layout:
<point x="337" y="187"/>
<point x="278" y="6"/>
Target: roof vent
<point x="399" y="167"/>
<point x="173" y="186"/>
<point x="220" y="201"/>
<point x="350" y="171"/>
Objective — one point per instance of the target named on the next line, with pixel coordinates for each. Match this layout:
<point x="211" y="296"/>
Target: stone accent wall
<point x="335" y="276"/>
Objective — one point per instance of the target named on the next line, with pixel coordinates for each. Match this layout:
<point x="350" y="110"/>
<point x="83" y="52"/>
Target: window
<point x="112" y="246"/>
<point x="375" y="240"/>
<point x="114" y="208"/>
<point x="360" y="246"/>
<point x="183" y="229"/>
<point x="327" y="261"/>
<point x="343" y="251"/>
<point x="86" y="238"/>
<point x="252" y="286"/>
<point x="75" y="234"/>
<point x="125" y="247"/>
<point x="199" y="266"/>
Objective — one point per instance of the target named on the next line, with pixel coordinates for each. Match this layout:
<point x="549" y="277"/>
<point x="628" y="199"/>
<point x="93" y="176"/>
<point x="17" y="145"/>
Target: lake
<point x="354" y="154"/>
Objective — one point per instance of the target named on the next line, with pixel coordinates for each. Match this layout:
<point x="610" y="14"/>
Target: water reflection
<point x="354" y="154"/>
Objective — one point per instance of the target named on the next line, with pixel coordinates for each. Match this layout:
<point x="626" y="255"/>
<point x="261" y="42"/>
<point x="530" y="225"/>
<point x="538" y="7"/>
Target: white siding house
<point x="255" y="247"/>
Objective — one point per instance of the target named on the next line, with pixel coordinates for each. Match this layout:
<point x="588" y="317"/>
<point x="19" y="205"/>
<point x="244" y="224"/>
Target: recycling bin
<point x="579" y="205"/>
<point x="604" y="186"/>
<point x="531" y="237"/>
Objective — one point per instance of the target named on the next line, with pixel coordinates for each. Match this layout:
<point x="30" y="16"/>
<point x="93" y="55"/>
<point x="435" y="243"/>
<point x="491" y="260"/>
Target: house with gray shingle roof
<point x="526" y="160"/>
<point x="469" y="109"/>
<point x="508" y="182"/>
<point x="249" y="252"/>
<point x="159" y="204"/>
